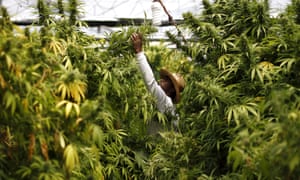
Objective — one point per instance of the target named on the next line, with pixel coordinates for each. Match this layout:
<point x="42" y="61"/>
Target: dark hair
<point x="172" y="94"/>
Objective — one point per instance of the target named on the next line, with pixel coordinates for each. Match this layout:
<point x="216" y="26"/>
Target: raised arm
<point x="164" y="102"/>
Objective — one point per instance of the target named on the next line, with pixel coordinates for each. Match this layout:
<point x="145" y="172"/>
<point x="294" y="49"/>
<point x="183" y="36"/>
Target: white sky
<point x="109" y="9"/>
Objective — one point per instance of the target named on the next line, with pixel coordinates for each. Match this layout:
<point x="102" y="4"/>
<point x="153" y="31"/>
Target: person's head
<point x="172" y="83"/>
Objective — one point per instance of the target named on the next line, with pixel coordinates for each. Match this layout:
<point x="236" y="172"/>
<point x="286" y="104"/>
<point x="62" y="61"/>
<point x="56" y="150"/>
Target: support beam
<point x="95" y="22"/>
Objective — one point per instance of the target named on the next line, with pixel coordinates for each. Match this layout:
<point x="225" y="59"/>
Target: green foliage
<point x="236" y="92"/>
<point x="74" y="107"/>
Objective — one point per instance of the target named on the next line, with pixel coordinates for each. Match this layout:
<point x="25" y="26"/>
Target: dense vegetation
<point x="75" y="107"/>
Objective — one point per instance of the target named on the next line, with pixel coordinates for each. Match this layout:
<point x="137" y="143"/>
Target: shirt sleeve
<point x="164" y="102"/>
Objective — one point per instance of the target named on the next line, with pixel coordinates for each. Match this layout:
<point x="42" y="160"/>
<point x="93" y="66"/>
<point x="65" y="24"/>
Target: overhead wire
<point x="172" y="21"/>
<point x="135" y="5"/>
<point x="114" y="6"/>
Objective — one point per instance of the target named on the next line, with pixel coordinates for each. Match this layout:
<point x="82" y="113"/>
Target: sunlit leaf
<point x="69" y="106"/>
<point x="77" y="109"/>
<point x="62" y="140"/>
<point x="9" y="61"/>
<point x="61" y="103"/>
<point x="71" y="157"/>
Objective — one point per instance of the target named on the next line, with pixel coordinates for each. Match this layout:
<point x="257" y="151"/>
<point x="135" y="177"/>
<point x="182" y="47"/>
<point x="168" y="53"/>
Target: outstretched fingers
<point x="137" y="42"/>
<point x="135" y="37"/>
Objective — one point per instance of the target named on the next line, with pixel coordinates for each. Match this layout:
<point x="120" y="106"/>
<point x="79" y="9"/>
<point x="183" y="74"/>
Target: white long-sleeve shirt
<point x="164" y="103"/>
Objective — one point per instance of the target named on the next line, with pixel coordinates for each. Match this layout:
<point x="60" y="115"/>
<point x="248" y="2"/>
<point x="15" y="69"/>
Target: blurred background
<point x="114" y="10"/>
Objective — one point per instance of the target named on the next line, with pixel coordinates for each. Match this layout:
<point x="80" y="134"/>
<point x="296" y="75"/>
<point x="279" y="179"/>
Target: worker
<point x="167" y="90"/>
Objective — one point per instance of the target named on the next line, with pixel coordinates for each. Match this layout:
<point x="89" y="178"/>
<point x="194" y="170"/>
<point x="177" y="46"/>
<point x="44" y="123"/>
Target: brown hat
<point x="177" y="81"/>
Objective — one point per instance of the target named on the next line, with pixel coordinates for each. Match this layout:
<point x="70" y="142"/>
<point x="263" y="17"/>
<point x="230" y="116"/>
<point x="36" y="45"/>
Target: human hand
<point x="137" y="41"/>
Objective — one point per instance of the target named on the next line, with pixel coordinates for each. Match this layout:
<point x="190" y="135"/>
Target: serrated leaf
<point x="97" y="135"/>
<point x="260" y="75"/>
<point x="61" y="103"/>
<point x="77" y="109"/>
<point x="229" y="116"/>
<point x="126" y="107"/>
<point x="9" y="61"/>
<point x="68" y="109"/>
<point x="294" y="162"/>
<point x="252" y="74"/>
<point x="62" y="140"/>
<point x="63" y="90"/>
<point x="252" y="110"/>
<point x="10" y="101"/>
<point x="71" y="157"/>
